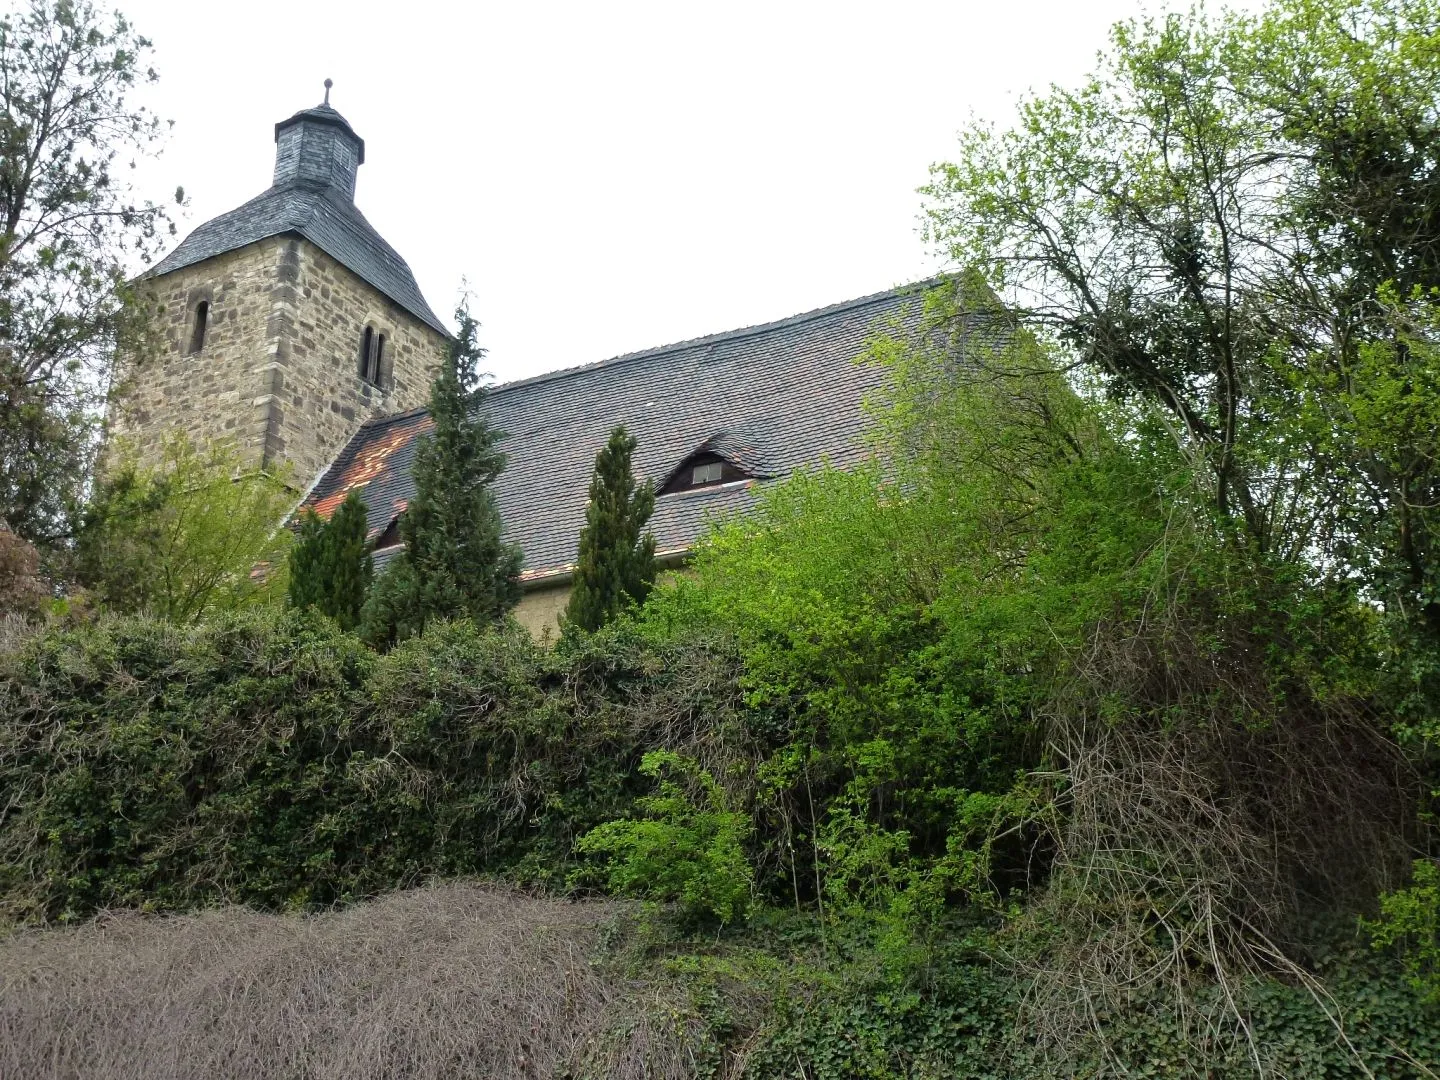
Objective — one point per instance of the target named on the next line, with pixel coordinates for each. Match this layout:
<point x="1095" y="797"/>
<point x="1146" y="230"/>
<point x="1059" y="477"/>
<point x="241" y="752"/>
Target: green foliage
<point x="616" y="562"/>
<point x="686" y="846"/>
<point x="1410" y="921"/>
<point x="898" y="623"/>
<point x="193" y="534"/>
<point x="1010" y="665"/>
<point x="1227" y="228"/>
<point x="854" y="1025"/>
<point x="71" y="232"/>
<point x="970" y="1022"/>
<point x="267" y="758"/>
<point x="330" y="564"/>
<point x="454" y="563"/>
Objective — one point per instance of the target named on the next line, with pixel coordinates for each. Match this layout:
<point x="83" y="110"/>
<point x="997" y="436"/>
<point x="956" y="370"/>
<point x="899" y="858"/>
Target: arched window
<point x="372" y="356"/>
<point x="197" y="335"/>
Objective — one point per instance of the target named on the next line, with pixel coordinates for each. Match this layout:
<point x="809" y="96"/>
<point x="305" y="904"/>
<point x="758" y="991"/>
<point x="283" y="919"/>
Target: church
<point x="290" y="326"/>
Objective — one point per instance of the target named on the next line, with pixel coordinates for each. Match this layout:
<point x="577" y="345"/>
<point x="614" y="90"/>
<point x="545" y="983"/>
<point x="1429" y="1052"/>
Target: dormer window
<point x="701" y="471"/>
<point x="197" y="331"/>
<point x="372" y="356"/>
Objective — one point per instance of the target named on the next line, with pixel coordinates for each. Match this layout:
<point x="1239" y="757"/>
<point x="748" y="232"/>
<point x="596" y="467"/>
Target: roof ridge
<point x="737" y="334"/>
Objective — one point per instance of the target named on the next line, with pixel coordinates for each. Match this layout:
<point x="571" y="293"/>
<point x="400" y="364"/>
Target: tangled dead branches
<point x="1209" y="811"/>
<point x="453" y="980"/>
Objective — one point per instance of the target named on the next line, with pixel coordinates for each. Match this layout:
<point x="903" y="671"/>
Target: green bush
<point x="268" y="759"/>
<point x="1410" y="922"/>
<point x="686" y="845"/>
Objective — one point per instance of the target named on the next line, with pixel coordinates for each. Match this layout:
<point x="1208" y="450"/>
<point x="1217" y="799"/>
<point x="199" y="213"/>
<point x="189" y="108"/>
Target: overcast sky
<point x="614" y="176"/>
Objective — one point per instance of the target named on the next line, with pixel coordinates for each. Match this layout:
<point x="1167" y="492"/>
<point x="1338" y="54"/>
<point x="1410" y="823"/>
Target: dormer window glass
<point x="709" y="473"/>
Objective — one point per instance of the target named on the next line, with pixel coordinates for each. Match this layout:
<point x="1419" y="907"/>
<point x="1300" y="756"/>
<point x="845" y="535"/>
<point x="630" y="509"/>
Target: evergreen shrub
<point x="268" y="759"/>
<point x="330" y="564"/>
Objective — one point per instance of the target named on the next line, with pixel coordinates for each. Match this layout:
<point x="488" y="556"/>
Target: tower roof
<point x="322" y="114"/>
<point x="312" y="195"/>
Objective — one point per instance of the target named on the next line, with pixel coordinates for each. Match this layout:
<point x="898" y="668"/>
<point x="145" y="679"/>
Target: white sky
<point x="614" y="176"/>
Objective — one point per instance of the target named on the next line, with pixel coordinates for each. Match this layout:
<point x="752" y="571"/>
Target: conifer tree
<point x="617" y="564"/>
<point x="330" y="564"/>
<point x="454" y="564"/>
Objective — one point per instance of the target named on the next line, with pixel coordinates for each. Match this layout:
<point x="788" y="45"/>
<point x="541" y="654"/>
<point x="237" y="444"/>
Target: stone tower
<point x="287" y="322"/>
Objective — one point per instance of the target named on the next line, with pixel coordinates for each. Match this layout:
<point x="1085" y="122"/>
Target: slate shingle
<point x="773" y="399"/>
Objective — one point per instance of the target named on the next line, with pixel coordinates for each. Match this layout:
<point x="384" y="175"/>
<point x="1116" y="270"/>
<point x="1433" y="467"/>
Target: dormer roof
<point x="743" y="453"/>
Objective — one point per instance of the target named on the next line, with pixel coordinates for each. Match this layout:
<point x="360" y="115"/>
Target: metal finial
<point x="328" y="84"/>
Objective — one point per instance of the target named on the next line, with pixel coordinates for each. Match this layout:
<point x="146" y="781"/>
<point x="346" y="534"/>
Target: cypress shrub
<point x="617" y="558"/>
<point x="455" y="563"/>
<point x="330" y="564"/>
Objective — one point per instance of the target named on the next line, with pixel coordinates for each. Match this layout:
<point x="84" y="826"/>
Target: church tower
<point x="286" y="323"/>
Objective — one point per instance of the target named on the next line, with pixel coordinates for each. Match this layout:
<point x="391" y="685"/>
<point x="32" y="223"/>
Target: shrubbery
<point x="686" y="844"/>
<point x="272" y="760"/>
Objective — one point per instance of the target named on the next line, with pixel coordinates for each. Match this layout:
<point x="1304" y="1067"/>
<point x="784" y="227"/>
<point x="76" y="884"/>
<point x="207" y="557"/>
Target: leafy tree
<point x="1234" y="228"/>
<point x="617" y="562"/>
<point x="1207" y="225"/>
<point x="330" y="564"/>
<point x="455" y="565"/>
<point x="191" y="535"/>
<point x="69" y="226"/>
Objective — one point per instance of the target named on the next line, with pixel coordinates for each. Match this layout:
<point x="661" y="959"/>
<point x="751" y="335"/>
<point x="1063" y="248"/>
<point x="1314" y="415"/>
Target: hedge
<point x="270" y="760"/>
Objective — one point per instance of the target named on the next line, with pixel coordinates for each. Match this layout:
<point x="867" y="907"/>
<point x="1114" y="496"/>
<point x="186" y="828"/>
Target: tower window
<point x="372" y="356"/>
<point x="197" y="334"/>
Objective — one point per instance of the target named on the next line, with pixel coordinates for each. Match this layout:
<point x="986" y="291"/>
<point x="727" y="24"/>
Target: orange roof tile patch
<point x="370" y="462"/>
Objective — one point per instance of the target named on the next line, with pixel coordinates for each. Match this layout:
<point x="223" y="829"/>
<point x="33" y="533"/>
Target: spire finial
<point x="328" y="84"/>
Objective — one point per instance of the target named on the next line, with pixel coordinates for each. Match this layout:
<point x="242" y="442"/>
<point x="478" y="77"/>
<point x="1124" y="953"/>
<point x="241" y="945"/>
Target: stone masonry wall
<point x="279" y="369"/>
<point x="322" y="398"/>
<point x="205" y="395"/>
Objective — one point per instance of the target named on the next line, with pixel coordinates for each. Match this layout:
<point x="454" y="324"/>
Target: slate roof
<point x="325" y="217"/>
<point x="324" y="114"/>
<point x="771" y="399"/>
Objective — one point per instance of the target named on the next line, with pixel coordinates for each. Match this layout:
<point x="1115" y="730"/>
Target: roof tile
<point x="774" y="398"/>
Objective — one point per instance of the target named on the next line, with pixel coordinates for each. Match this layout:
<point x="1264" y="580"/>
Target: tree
<point x="330" y="564"/>
<point x="69" y="226"/>
<point x="455" y="564"/>
<point x="191" y="535"/>
<point x="1206" y="226"/>
<point x="1232" y="233"/>
<point x="617" y="563"/>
